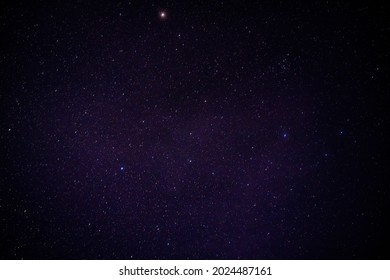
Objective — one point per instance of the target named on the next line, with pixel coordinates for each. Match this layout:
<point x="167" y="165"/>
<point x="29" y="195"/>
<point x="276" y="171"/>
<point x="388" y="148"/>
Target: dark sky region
<point x="194" y="130"/>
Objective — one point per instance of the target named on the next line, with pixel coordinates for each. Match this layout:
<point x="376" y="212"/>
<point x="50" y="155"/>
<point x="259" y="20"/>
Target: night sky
<point x="194" y="130"/>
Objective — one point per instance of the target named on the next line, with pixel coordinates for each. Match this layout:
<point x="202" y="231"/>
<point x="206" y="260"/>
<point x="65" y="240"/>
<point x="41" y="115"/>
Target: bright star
<point x="163" y="15"/>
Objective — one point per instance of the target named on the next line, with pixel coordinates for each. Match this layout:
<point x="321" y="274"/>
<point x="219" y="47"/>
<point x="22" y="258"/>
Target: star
<point x="163" y="15"/>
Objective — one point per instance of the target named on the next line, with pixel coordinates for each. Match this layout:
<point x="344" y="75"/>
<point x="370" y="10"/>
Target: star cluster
<point x="193" y="130"/>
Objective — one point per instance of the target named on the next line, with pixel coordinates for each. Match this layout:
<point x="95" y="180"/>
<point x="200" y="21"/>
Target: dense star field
<point x="196" y="129"/>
